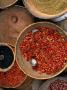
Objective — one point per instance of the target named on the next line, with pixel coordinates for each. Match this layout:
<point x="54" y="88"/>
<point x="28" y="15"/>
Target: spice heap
<point x="58" y="85"/>
<point x="48" y="47"/>
<point x="12" y="78"/>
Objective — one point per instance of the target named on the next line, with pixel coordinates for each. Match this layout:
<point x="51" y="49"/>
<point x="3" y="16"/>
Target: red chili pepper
<point x="12" y="78"/>
<point x="48" y="47"/>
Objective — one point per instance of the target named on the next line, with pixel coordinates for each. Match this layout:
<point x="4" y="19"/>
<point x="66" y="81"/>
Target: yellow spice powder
<point x="50" y="6"/>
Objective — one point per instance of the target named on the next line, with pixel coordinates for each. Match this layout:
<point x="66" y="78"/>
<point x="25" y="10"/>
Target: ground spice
<point x="12" y="78"/>
<point x="47" y="47"/>
<point x="50" y="7"/>
<point x="58" y="85"/>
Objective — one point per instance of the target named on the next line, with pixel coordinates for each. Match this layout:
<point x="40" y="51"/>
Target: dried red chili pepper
<point x="48" y="47"/>
<point x="12" y="78"/>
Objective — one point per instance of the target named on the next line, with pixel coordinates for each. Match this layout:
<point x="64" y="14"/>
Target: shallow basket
<point x="26" y="66"/>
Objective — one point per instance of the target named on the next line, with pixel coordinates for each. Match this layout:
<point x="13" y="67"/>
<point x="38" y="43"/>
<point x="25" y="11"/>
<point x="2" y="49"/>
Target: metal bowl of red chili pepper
<point x="12" y="78"/>
<point x="6" y="57"/>
<point x="41" y="50"/>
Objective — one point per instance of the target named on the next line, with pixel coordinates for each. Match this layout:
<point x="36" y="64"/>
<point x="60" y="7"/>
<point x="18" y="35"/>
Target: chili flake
<point x="48" y="47"/>
<point x="12" y="78"/>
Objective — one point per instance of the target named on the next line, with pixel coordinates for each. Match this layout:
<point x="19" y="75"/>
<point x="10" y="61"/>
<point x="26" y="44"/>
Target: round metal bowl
<point x="26" y="66"/>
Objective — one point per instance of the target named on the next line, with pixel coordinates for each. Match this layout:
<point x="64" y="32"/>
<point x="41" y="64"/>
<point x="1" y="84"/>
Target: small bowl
<point x="6" y="54"/>
<point x="23" y="84"/>
<point x="26" y="66"/>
